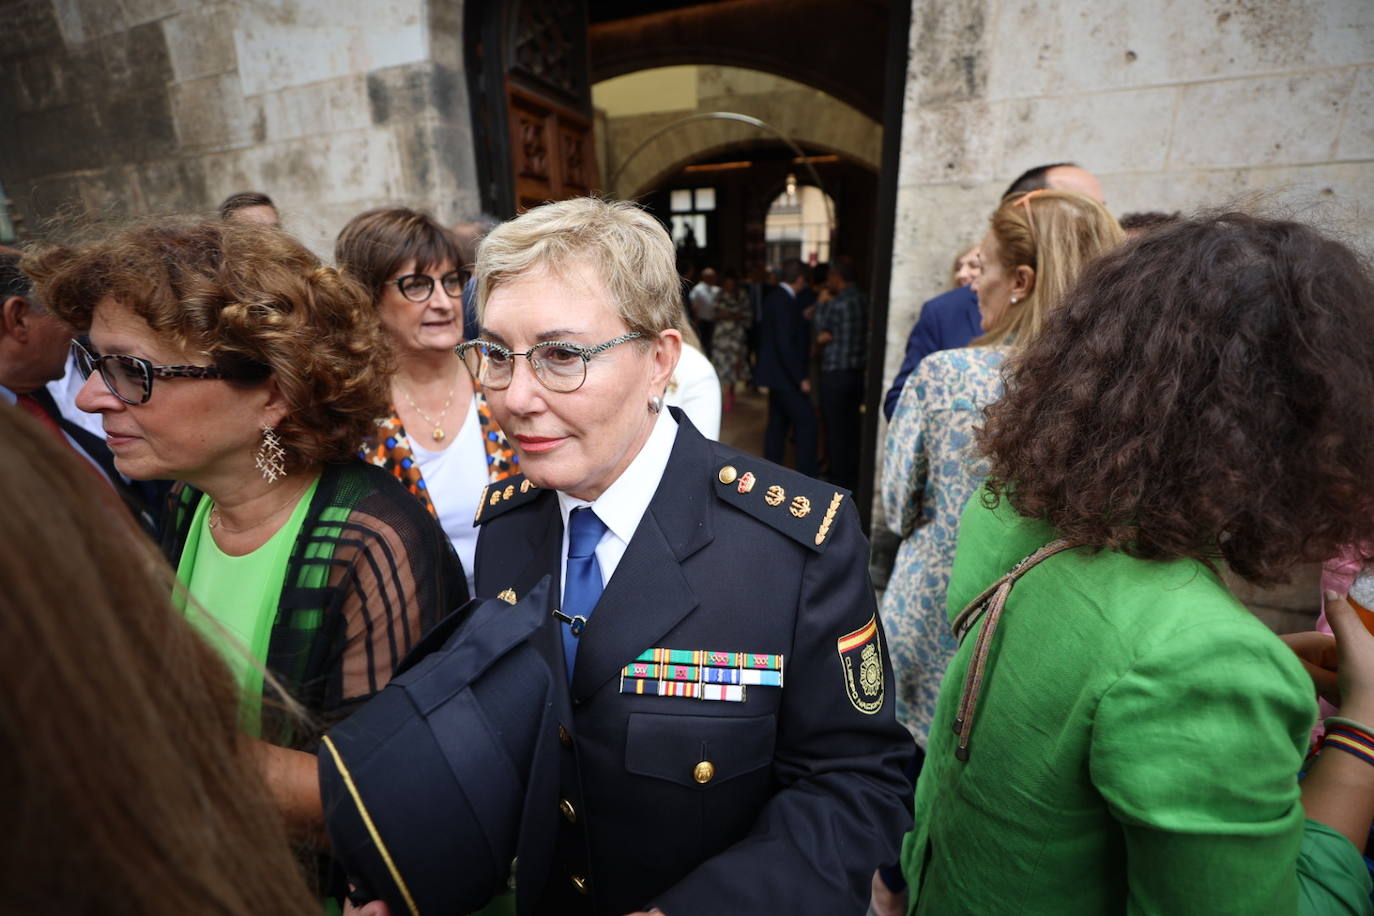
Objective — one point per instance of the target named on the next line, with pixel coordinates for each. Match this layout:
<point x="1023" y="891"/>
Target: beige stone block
<point x="84" y="20"/>
<point x="230" y="172"/>
<point x="211" y="113"/>
<point x="319" y="108"/>
<point x="200" y="41"/>
<point x="950" y="51"/>
<point x="1336" y="197"/>
<point x="1126" y="131"/>
<point x="730" y="82"/>
<point x="1278" y="120"/>
<point x="955" y="142"/>
<point x="140" y="11"/>
<point x="1071" y="47"/>
<point x="1357" y="133"/>
<point x="362" y="166"/>
<point x="305" y="41"/>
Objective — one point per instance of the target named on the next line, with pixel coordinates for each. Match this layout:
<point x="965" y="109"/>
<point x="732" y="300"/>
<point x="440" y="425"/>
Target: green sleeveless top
<point x="239" y="596"/>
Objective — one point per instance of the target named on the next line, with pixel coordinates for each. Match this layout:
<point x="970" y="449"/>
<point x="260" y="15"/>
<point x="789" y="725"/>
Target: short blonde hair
<point x="628" y="249"/>
<point x="1056" y="234"/>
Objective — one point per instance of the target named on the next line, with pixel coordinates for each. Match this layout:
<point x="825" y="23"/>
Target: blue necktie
<point x="583" y="585"/>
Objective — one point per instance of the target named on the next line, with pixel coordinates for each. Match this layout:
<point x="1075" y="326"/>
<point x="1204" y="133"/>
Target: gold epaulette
<point x="502" y="495"/>
<point x="801" y="507"/>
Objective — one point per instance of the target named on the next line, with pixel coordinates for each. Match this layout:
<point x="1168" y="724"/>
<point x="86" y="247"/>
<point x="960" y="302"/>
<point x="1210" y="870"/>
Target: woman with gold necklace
<point x="439" y="439"/>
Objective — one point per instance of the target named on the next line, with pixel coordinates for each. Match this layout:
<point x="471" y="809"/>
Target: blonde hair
<point x="1056" y="234"/>
<point x="954" y="265"/>
<point x="626" y="248"/>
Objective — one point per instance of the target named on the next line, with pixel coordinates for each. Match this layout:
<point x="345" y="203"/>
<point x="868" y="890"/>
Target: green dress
<point x="1134" y="749"/>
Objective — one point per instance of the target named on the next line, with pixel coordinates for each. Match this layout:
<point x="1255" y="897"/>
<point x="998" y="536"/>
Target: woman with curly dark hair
<point x="1129" y="739"/>
<point x="224" y="355"/>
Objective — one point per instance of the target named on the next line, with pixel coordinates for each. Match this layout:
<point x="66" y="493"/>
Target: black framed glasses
<point x="130" y="378"/>
<point x="560" y="366"/>
<point x="419" y="287"/>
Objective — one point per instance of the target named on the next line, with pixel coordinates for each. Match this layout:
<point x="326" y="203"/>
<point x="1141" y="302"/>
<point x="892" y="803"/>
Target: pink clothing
<point x="1338" y="574"/>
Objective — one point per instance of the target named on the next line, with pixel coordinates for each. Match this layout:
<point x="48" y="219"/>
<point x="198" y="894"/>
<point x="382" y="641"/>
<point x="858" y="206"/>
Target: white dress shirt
<point x="624" y="502"/>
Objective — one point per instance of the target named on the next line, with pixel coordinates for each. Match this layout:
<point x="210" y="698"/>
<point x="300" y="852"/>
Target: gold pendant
<point x="438" y="434"/>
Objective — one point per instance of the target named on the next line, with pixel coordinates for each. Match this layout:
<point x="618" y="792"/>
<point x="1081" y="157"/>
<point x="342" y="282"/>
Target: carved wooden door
<point x="551" y="150"/>
<point x="532" y="110"/>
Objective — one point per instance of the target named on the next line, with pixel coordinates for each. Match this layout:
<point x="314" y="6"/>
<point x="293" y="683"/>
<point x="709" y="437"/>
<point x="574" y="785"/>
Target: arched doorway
<point x="800" y="224"/>
<point x="726" y="194"/>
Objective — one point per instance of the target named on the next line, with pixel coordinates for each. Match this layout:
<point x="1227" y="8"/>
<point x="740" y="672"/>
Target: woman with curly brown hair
<point x="1116" y="732"/>
<point x="224" y="356"/>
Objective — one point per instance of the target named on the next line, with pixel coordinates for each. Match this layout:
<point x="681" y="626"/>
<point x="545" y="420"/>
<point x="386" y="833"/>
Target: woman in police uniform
<point x="728" y="744"/>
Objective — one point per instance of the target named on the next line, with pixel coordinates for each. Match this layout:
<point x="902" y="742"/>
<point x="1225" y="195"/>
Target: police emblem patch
<point x="861" y="657"/>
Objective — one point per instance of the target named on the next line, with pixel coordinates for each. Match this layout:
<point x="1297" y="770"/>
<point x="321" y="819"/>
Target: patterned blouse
<point x="929" y="473"/>
<point x="390" y="450"/>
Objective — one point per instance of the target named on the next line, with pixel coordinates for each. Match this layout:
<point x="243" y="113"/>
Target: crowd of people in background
<point x="431" y="554"/>
<point x="801" y="333"/>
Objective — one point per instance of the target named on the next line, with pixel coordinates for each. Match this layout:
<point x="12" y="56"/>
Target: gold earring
<point x="271" y="457"/>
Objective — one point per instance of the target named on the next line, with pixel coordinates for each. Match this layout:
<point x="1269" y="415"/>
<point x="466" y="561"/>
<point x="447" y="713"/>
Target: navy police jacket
<point x="728" y="743"/>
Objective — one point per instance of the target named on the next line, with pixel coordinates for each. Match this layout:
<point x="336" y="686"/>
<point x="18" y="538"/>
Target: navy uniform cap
<point x="426" y="786"/>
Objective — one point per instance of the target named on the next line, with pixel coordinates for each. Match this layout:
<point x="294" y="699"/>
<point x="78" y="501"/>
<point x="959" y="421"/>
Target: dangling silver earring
<point x="655" y="404"/>
<point x="271" y="457"/>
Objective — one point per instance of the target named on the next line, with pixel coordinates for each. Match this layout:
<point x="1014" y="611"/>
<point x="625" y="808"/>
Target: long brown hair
<point x="124" y="783"/>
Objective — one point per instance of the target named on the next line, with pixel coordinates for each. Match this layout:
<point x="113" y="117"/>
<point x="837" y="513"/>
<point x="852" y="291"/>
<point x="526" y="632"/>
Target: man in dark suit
<point x="947" y="322"/>
<point x="783" y="368"/>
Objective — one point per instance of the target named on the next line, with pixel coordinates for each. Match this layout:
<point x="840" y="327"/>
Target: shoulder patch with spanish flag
<point x="861" y="657"/>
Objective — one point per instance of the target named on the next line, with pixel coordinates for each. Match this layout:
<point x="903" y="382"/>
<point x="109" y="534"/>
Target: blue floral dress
<point x="929" y="473"/>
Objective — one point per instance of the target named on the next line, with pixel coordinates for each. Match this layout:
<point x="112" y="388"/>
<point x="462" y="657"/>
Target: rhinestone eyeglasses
<point x="560" y="366"/>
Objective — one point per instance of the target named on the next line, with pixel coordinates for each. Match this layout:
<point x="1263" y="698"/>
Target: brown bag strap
<point x="990" y="604"/>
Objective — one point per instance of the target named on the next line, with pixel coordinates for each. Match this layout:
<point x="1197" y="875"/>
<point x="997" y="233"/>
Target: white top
<point x="64" y="391"/>
<point x="696" y="389"/>
<point x="625" y="501"/>
<point x="455" y="478"/>
<point x="703" y="297"/>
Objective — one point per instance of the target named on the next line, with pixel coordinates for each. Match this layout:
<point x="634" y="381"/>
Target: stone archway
<point x="838" y="50"/>
<point x="807" y="116"/>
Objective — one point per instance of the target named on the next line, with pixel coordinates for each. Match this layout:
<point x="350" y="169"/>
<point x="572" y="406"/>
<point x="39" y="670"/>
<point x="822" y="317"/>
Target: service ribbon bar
<point x="700" y="674"/>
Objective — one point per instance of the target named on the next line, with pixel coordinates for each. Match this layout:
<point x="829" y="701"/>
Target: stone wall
<point x="1174" y="104"/>
<point x="153" y="106"/>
